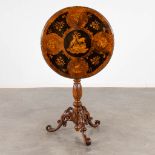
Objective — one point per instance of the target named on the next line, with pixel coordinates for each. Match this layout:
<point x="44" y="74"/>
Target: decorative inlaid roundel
<point x="77" y="42"/>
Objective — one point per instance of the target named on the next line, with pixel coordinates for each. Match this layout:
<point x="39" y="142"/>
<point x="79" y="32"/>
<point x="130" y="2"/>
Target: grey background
<point x="127" y="118"/>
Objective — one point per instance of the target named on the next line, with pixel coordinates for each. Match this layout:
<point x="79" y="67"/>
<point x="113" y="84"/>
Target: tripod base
<point x="78" y="115"/>
<point x="80" y="118"/>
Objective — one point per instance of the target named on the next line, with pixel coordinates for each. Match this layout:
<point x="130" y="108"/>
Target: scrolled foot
<point x="96" y="124"/>
<point x="87" y="140"/>
<point x="49" y="128"/>
<point x="66" y="116"/>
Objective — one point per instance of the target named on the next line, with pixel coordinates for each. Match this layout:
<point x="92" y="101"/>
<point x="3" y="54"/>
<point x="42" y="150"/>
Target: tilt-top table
<point x="77" y="42"/>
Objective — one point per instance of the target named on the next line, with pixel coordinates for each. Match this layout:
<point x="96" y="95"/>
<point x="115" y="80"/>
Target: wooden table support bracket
<point x="78" y="114"/>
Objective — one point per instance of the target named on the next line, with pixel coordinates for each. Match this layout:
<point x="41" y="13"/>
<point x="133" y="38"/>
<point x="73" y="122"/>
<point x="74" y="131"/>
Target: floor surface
<point x="127" y="118"/>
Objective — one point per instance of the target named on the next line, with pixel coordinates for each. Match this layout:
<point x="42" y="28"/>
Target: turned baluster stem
<point x="77" y="94"/>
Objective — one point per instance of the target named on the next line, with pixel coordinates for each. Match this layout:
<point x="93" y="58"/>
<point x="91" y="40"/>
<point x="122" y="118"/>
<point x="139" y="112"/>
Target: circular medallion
<point x="77" y="42"/>
<point x="77" y="67"/>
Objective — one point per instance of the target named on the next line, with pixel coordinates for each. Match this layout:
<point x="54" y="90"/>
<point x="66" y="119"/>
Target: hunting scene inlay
<point x="77" y="43"/>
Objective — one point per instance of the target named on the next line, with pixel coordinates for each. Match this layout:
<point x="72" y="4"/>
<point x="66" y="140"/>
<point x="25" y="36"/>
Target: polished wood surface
<point x="78" y="114"/>
<point x="77" y="42"/>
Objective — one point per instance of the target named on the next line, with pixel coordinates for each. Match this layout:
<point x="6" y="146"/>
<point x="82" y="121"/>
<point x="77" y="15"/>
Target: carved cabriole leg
<point x="78" y="114"/>
<point x="89" y="119"/>
<point x="66" y="116"/>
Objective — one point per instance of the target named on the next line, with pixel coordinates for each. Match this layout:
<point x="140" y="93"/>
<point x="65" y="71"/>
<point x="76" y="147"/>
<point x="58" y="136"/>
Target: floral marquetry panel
<point x="77" y="42"/>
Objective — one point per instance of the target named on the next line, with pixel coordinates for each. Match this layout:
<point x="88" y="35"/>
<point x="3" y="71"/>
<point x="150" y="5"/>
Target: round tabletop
<point x="77" y="42"/>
